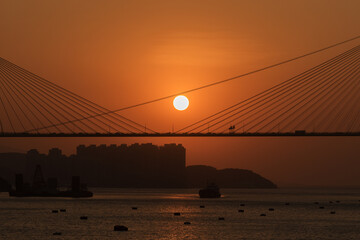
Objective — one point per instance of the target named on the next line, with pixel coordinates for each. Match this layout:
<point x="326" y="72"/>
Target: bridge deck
<point x="273" y="134"/>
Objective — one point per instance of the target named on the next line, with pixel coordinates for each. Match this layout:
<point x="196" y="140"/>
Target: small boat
<point x="211" y="191"/>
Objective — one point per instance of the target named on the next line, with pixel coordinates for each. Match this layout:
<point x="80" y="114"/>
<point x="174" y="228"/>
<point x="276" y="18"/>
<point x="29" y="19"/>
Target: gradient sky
<point x="119" y="53"/>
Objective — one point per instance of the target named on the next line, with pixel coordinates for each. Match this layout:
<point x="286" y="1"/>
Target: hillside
<point x="198" y="175"/>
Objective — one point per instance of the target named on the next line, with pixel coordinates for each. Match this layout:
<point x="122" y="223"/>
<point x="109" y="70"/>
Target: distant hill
<point x="198" y="175"/>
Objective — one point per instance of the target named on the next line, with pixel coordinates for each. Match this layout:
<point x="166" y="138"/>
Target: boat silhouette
<point x="211" y="191"/>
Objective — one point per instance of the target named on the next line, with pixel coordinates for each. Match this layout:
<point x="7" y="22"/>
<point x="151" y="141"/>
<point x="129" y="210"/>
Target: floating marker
<point x="242" y="204"/>
<point x="120" y="228"/>
<point x="332" y="212"/>
<point x="221" y="218"/>
<point x="202" y="206"/>
<point x="134" y="208"/>
<point x="62" y="210"/>
<point x="176" y="214"/>
<point x="54" y="211"/>
<point x="187" y="223"/>
<point x="271" y="209"/>
<point x="57" y="233"/>
<point x="83" y="217"/>
<point x="263" y="215"/>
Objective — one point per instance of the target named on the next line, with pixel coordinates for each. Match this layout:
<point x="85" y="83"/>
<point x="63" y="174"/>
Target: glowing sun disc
<point x="181" y="103"/>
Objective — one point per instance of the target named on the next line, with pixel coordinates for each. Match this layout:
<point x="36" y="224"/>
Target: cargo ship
<point x="40" y="188"/>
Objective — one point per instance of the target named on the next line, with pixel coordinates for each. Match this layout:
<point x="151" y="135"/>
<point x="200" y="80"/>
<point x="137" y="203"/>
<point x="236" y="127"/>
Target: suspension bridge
<point x="322" y="101"/>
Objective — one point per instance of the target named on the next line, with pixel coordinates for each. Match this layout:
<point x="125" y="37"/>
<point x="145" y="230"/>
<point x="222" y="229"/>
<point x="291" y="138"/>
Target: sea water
<point x="297" y="214"/>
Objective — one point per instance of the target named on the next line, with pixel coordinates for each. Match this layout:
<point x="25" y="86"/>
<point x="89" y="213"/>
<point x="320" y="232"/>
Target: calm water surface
<point x="32" y="218"/>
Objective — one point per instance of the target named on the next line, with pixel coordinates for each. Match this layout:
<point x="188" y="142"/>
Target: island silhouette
<point x="125" y="166"/>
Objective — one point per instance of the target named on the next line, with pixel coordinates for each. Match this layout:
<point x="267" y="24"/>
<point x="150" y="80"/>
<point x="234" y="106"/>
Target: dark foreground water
<point x="32" y="218"/>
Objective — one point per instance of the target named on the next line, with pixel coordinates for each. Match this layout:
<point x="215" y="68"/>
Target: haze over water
<point x="32" y="218"/>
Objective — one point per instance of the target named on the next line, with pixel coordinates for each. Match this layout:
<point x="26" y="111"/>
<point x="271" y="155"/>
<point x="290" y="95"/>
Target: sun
<point x="181" y="103"/>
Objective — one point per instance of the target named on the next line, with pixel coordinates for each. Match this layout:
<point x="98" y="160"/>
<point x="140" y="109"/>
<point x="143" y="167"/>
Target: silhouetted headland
<point x="127" y="166"/>
<point x="225" y="178"/>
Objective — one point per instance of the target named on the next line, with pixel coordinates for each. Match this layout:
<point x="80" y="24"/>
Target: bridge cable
<point x="321" y="109"/>
<point x="331" y="112"/>
<point x="353" y="105"/>
<point x="78" y="105"/>
<point x="293" y="81"/>
<point x="77" y="96"/>
<point x="7" y="114"/>
<point x="48" y="102"/>
<point x="12" y="97"/>
<point x="340" y="112"/>
<point x="68" y="96"/>
<point x="324" y="115"/>
<point x="277" y="95"/>
<point x="222" y="81"/>
<point x="288" y="104"/>
<point x="20" y="87"/>
<point x="356" y="120"/>
<point x="28" y="81"/>
<point x="294" y="105"/>
<point x="27" y="107"/>
<point x="304" y="111"/>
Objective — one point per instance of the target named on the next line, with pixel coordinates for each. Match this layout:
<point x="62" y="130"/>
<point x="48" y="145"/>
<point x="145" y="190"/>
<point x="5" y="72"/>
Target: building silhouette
<point x="125" y="166"/>
<point x="136" y="165"/>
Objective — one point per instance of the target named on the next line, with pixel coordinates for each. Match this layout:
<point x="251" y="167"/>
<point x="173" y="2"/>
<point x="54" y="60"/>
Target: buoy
<point x="57" y="233"/>
<point x="187" y="223"/>
<point x="54" y="211"/>
<point x="332" y="212"/>
<point x="316" y="202"/>
<point x="337" y="201"/>
<point x="202" y="206"/>
<point x="176" y="214"/>
<point x="271" y="209"/>
<point x="287" y="203"/>
<point x="62" y="210"/>
<point x="120" y="228"/>
<point x="83" y="217"/>
<point x="321" y="207"/>
<point x="221" y="218"/>
<point x="330" y="201"/>
<point x="241" y="210"/>
<point x="242" y="204"/>
<point x="263" y="215"/>
<point x="134" y="208"/>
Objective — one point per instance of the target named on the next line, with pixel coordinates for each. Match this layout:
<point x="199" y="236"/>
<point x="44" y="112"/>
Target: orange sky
<point x="119" y="53"/>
